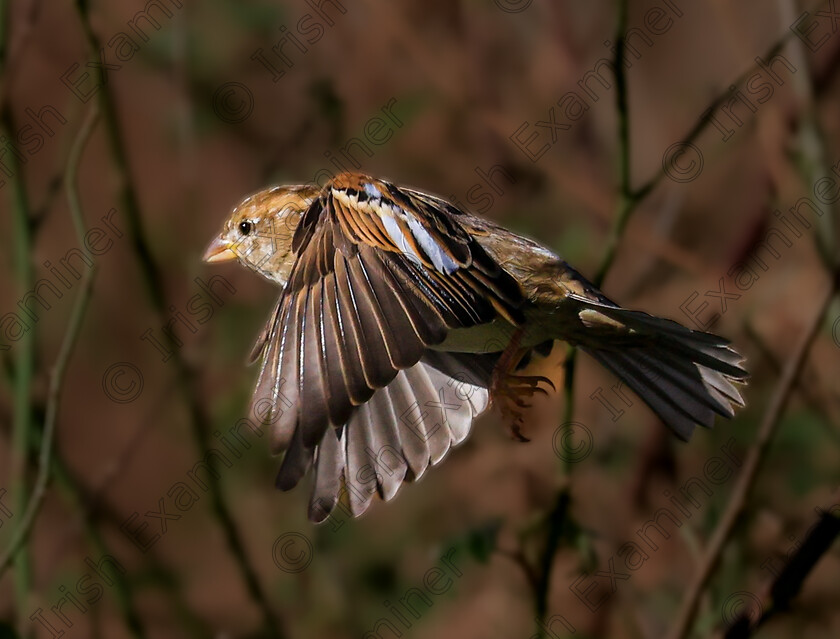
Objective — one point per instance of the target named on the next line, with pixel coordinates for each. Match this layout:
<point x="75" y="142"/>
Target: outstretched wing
<point x="405" y="428"/>
<point x="382" y="274"/>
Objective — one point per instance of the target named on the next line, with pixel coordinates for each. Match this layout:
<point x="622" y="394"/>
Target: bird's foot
<point x="511" y="393"/>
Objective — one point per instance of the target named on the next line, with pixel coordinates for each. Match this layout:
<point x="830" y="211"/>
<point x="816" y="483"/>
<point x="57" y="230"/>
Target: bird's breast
<point x="491" y="337"/>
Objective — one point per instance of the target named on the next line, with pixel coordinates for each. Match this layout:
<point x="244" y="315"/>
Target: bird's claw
<point x="511" y="392"/>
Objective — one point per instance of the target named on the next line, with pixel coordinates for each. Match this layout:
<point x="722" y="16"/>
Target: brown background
<point x="463" y="77"/>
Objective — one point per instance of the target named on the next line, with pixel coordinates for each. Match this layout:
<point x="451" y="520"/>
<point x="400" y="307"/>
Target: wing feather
<point x="381" y="275"/>
<point x="398" y="434"/>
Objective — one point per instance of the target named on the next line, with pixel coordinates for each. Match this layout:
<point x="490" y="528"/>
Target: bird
<point x="402" y="317"/>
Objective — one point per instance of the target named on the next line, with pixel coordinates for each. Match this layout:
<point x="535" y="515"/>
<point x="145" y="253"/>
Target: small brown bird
<point x="400" y="319"/>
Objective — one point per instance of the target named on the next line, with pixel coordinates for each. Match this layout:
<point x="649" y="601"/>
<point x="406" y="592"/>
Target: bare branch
<point x="57" y="375"/>
<point x="752" y="465"/>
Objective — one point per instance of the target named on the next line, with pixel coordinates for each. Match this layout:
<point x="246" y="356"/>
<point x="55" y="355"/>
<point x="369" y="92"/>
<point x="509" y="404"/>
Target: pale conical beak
<point x="219" y="251"/>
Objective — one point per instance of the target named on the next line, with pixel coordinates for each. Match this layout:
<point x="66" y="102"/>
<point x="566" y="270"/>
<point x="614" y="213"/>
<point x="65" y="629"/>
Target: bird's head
<point x="260" y="229"/>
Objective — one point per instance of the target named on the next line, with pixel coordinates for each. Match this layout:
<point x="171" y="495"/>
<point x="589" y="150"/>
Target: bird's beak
<point x="219" y="251"/>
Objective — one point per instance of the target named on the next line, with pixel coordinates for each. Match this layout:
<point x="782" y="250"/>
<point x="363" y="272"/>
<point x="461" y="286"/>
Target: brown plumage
<point x="392" y="332"/>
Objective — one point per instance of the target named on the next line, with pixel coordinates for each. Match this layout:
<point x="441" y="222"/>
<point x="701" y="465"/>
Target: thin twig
<point x="752" y="464"/>
<point x="812" y="396"/>
<point x="24" y="368"/>
<point x="185" y="376"/>
<point x="57" y="375"/>
<point x="123" y="590"/>
<point x="562" y="502"/>
<point x="519" y="559"/>
<point x="631" y="198"/>
<point x="627" y="199"/>
<point x="557" y="518"/>
<point x="642" y="191"/>
<point x="808" y="155"/>
<point x="85" y="503"/>
<point x="789" y="582"/>
<point x="787" y="383"/>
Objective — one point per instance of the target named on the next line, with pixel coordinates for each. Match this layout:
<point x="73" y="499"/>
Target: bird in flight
<point x="402" y="317"/>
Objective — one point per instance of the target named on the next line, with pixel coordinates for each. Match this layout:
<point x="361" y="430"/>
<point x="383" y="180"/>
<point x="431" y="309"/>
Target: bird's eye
<point x="245" y="227"/>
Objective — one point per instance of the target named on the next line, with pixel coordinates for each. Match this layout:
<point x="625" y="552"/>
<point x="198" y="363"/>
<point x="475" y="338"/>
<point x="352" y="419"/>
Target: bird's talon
<point x="512" y="392"/>
<point x="547" y="382"/>
<point x="516" y="431"/>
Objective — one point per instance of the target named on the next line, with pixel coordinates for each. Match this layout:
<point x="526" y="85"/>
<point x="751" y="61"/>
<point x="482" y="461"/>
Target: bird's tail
<point x="685" y="376"/>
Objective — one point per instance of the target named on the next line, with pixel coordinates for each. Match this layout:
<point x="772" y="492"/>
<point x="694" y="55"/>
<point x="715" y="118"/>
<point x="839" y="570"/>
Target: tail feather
<point x="723" y="387"/>
<point x="707" y="349"/>
<point x="685" y="376"/>
<point x="721" y="392"/>
<point x="645" y="322"/>
<point x="668" y="403"/>
<point x="718" y="358"/>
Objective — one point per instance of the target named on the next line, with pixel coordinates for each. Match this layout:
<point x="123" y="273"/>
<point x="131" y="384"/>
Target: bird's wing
<point x="404" y="428"/>
<point x="381" y="274"/>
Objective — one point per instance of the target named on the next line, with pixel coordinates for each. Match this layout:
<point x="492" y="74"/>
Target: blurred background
<point x="158" y="522"/>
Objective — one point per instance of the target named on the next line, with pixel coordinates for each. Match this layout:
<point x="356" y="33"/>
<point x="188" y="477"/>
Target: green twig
<point x="568" y="395"/>
<point x="630" y="198"/>
<point x="627" y="200"/>
<point x="24" y="364"/>
<point x="74" y="326"/>
<point x="811" y="159"/>
<point x="752" y="465"/>
<point x="199" y="421"/>
<point x="790" y="580"/>
<point x="124" y="601"/>
<point x="554" y="536"/>
<point x="809" y="154"/>
<point x="24" y="367"/>
<point x="562" y="503"/>
<point x="84" y="502"/>
<point x="123" y="591"/>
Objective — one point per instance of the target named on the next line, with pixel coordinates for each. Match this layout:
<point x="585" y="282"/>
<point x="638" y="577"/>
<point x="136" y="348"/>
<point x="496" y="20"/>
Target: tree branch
<point x="185" y="376"/>
<point x="57" y="375"/>
<point x="789" y="582"/>
<point x="24" y="368"/>
<point x="752" y="465"/>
